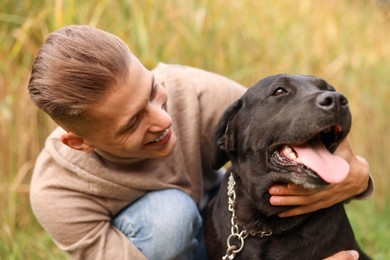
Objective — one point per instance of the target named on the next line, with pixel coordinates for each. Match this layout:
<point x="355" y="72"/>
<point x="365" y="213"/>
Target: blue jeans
<point x="164" y="224"/>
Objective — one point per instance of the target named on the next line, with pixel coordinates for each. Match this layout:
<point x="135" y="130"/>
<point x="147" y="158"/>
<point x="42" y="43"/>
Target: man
<point x="127" y="171"/>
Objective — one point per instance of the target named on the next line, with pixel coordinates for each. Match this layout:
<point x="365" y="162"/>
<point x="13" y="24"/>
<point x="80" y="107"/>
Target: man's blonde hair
<point x="75" y="67"/>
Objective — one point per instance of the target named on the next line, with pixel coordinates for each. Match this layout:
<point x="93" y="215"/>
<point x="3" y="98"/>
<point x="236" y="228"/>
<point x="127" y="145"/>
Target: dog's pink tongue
<point x="331" y="168"/>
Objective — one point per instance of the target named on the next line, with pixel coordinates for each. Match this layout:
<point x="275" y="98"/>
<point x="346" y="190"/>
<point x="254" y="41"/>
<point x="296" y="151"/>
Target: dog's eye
<point x="279" y="91"/>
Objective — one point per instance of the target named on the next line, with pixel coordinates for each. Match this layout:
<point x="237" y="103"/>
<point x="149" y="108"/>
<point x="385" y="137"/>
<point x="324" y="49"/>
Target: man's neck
<point x="117" y="160"/>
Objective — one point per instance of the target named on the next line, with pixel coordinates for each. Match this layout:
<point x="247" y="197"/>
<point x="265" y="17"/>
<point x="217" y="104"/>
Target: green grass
<point x="345" y="42"/>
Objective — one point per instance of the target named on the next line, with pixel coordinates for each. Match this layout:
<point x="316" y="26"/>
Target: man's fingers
<point x="290" y="190"/>
<point x="300" y="197"/>
<point x="296" y="211"/>
<point x="344" y="255"/>
<point x="304" y="209"/>
<point x="293" y="200"/>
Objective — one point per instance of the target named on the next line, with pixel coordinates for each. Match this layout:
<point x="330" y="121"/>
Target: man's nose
<point x="158" y="118"/>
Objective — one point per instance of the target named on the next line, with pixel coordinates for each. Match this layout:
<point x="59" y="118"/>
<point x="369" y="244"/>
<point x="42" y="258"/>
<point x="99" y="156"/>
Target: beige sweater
<point x="74" y="195"/>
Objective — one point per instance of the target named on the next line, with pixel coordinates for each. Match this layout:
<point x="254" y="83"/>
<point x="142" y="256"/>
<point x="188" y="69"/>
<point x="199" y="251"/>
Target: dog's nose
<point x="331" y="100"/>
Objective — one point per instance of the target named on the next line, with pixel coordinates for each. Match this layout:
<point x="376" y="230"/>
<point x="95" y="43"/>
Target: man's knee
<point x="179" y="219"/>
<point x="160" y="220"/>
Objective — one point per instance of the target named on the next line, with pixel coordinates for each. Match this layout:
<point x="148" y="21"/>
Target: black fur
<point x="280" y="109"/>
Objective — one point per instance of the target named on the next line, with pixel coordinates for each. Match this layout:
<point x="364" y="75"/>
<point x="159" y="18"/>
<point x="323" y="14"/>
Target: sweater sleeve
<point x="78" y="223"/>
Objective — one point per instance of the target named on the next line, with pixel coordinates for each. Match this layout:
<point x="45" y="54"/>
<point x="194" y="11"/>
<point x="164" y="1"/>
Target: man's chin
<point x="167" y="149"/>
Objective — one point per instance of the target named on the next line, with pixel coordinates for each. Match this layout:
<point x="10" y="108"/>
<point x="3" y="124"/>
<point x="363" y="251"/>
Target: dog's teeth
<point x="287" y="149"/>
<point x="289" y="152"/>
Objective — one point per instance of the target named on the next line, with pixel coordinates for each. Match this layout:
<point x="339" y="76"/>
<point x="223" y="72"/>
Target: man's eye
<point x="134" y="123"/>
<point x="279" y="91"/>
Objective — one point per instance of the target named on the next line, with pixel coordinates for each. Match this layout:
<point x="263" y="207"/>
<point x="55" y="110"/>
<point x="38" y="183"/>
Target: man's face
<point x="132" y="120"/>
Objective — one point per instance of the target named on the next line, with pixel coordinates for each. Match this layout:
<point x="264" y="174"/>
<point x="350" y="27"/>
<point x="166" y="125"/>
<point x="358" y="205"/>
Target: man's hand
<point x="308" y="200"/>
<point x="344" y="255"/>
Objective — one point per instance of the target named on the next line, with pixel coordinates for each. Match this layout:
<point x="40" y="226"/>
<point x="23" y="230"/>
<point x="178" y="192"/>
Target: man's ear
<point x="76" y="142"/>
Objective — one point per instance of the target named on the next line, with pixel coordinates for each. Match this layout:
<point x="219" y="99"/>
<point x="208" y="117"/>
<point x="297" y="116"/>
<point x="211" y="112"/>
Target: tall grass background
<point x="345" y="42"/>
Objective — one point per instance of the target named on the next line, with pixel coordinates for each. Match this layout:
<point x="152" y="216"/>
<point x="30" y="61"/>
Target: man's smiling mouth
<point x="162" y="139"/>
<point x="162" y="136"/>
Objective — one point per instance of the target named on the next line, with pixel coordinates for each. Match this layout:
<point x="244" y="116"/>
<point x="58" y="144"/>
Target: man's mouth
<point x="162" y="139"/>
<point x="314" y="157"/>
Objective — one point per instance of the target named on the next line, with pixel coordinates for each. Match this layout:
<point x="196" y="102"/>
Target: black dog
<point x="282" y="130"/>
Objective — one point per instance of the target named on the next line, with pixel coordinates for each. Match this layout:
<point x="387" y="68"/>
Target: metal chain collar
<point x="234" y="249"/>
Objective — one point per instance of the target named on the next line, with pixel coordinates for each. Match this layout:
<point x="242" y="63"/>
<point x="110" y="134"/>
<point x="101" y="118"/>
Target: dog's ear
<point x="224" y="142"/>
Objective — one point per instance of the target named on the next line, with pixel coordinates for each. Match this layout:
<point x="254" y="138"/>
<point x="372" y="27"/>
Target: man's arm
<point x="80" y="225"/>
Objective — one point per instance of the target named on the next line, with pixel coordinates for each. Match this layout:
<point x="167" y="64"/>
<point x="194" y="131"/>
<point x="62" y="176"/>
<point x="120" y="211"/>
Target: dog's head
<point x="284" y="129"/>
